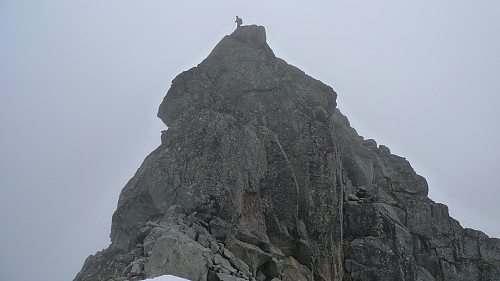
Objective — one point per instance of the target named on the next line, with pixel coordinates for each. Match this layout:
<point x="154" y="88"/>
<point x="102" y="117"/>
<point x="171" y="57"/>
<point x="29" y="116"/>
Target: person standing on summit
<point x="238" y="21"/>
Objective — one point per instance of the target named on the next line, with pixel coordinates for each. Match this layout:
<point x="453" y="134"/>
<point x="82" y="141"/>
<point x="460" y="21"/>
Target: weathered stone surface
<point x="260" y="177"/>
<point x="174" y="253"/>
<point x="424" y="275"/>
<point x="294" y="271"/>
<point x="226" y="277"/>
<point x="253" y="256"/>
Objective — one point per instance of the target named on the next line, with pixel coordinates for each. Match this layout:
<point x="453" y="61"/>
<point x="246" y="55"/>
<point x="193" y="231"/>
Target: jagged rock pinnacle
<point x="260" y="177"/>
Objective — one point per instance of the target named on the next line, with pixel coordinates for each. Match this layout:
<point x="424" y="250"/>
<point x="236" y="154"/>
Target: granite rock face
<point x="260" y="177"/>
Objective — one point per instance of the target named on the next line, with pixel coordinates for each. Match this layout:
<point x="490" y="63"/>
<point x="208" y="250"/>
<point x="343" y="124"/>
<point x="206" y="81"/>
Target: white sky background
<point x="81" y="81"/>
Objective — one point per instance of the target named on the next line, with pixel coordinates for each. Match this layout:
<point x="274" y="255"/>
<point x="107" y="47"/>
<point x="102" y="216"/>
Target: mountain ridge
<point x="260" y="177"/>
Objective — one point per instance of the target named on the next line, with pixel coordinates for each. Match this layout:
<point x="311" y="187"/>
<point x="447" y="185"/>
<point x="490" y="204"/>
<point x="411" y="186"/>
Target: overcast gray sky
<point x="81" y="81"/>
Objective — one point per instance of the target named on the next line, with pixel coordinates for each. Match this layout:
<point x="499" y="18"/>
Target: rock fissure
<point x="289" y="165"/>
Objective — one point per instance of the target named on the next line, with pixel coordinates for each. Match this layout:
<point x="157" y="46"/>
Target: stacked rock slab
<point x="260" y="177"/>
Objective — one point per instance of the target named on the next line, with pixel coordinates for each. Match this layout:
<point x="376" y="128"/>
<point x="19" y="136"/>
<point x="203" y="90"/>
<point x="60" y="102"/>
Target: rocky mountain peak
<point x="260" y="177"/>
<point x="241" y="68"/>
<point x="244" y="37"/>
<point x="245" y="47"/>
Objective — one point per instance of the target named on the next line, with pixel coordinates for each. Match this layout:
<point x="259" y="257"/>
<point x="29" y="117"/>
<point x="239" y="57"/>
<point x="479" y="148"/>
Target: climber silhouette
<point x="238" y="21"/>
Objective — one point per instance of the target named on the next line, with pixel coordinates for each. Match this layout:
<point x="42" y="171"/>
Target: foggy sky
<point x="81" y="81"/>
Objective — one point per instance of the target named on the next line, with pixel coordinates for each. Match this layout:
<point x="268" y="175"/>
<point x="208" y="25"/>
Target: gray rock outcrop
<point x="260" y="177"/>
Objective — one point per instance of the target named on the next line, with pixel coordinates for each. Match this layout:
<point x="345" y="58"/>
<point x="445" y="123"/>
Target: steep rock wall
<point x="260" y="177"/>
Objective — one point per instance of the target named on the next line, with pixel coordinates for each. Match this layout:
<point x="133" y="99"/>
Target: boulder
<point x="176" y="254"/>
